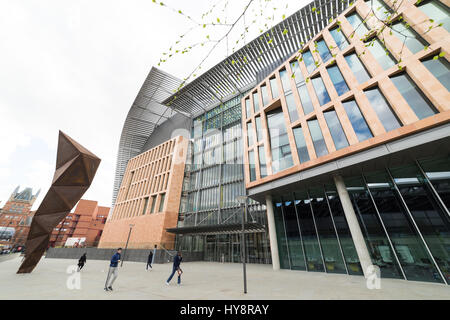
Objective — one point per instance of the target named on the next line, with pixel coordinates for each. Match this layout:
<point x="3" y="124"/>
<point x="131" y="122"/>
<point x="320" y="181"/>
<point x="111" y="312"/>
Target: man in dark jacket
<point x="113" y="270"/>
<point x="81" y="262"/>
<point x="149" y="260"/>
<point x="176" y="268"/>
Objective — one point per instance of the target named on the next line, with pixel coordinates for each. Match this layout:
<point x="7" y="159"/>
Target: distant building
<point x="15" y="218"/>
<point x="83" y="227"/>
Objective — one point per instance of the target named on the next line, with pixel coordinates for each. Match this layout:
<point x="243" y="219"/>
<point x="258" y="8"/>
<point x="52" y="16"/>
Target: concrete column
<point x="353" y="224"/>
<point x="272" y="234"/>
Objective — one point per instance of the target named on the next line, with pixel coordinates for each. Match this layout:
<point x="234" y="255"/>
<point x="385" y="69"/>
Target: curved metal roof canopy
<point x="229" y="78"/>
<point x="146" y="113"/>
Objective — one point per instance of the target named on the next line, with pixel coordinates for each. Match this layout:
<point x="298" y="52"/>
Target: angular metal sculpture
<point x="75" y="169"/>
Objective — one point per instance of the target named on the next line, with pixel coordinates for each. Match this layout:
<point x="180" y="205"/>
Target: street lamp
<point x="126" y="246"/>
<point x="243" y="201"/>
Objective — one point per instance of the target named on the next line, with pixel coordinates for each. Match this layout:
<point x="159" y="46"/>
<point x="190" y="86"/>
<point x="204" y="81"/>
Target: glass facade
<point x="379" y="9"/>
<point x="262" y="161"/>
<point x="317" y="137"/>
<point x="259" y="129"/>
<point x="358" y="69"/>
<point x="337" y="133"/>
<point x="309" y="61"/>
<point x="357" y="23"/>
<point x="440" y="68"/>
<point x="380" y="53"/>
<point x="324" y="52"/>
<point x="357" y="120"/>
<point x="404" y="221"/>
<point x="279" y="141"/>
<point x="265" y="95"/>
<point x="413" y="41"/>
<point x="300" y="142"/>
<point x="339" y="38"/>
<point x="382" y="109"/>
<point x="252" y="166"/>
<point x="338" y="80"/>
<point x="437" y="11"/>
<point x="274" y="88"/>
<point x="321" y="90"/>
<point x="256" y="101"/>
<point x="420" y="104"/>
<point x="292" y="107"/>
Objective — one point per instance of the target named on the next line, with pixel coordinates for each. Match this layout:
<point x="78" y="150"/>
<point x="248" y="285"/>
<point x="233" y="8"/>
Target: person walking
<point x="149" y="260"/>
<point x="113" y="270"/>
<point x="81" y="262"/>
<point x="176" y="268"/>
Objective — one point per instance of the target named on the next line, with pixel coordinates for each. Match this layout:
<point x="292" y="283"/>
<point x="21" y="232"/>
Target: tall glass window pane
<point x="305" y="99"/>
<point x="357" y="120"/>
<point x="357" y="23"/>
<point x="317" y="137"/>
<point x="302" y="150"/>
<point x="327" y="234"/>
<point x="338" y="80"/>
<point x="251" y="162"/>
<point x="265" y="95"/>
<point x="292" y="107"/>
<point x="339" y="38"/>
<point x="249" y="134"/>
<point x="310" y="241"/>
<point x="337" y="133"/>
<point x="274" y="88"/>
<point x="281" y="235"/>
<point x="309" y="61"/>
<point x="357" y="67"/>
<point x="378" y="52"/>
<point x="420" y="104"/>
<point x="279" y="141"/>
<point x="382" y="109"/>
<point x="379" y="8"/>
<point x="321" y="91"/>
<point x="161" y="202"/>
<point x="324" y="53"/>
<point x="433" y="222"/>
<point x="376" y="239"/>
<point x="285" y="81"/>
<point x="438" y="171"/>
<point x="437" y="11"/>
<point x="262" y="161"/>
<point x="416" y="262"/>
<point x="297" y="74"/>
<point x="259" y="130"/>
<point x="412" y="39"/>
<point x="293" y="236"/>
<point x="345" y="237"/>
<point x="247" y="108"/>
<point x="440" y="68"/>
<point x="256" y="101"/>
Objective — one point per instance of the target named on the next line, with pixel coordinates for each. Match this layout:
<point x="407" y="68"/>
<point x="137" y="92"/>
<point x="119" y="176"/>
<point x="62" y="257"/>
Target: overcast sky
<point x="77" y="66"/>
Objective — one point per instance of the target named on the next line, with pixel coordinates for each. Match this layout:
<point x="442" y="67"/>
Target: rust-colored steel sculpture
<point x="75" y="169"/>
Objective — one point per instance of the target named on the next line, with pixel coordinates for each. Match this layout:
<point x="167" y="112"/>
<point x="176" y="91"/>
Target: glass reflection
<point x="415" y="260"/>
<point x="339" y="38"/>
<point x="357" y="67"/>
<point x="438" y="171"/>
<point x="337" y="133"/>
<point x="281" y="235"/>
<point x="321" y="90"/>
<point x="440" y="68"/>
<point x="317" y="137"/>
<point x="300" y="142"/>
<point x="338" y="80"/>
<point x="382" y="109"/>
<point x="357" y="120"/>
<point x="295" y="245"/>
<point x="309" y="61"/>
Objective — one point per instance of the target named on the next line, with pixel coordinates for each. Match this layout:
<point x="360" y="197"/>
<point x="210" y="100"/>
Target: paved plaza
<point x="201" y="280"/>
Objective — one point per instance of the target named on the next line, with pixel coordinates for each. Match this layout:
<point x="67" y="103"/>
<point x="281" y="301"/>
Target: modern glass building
<point x="343" y="154"/>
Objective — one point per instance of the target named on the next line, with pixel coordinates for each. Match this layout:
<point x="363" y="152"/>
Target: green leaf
<point x="441" y="54"/>
<point x="285" y="31"/>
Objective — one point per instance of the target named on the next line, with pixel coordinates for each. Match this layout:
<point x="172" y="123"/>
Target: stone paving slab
<point x="201" y="280"/>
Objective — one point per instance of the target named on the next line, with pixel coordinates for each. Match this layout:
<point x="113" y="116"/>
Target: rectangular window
<point x="357" y="23"/>
<point x="152" y="210"/>
<point x="161" y="202"/>
<point x="317" y="137"/>
<point x="337" y="133"/>
<point x="252" y="167"/>
<point x="420" y="104"/>
<point x="249" y="133"/>
<point x="285" y="81"/>
<point x="321" y="91"/>
<point x="247" y="108"/>
<point x="413" y="41"/>
<point x="437" y="11"/>
<point x="145" y="205"/>
<point x="324" y="52"/>
<point x="262" y="161"/>
<point x="379" y="9"/>
<point x="338" y="80"/>
<point x="265" y="95"/>
<point x="339" y="38"/>
<point x="305" y="99"/>
<point x="279" y="141"/>
<point x="381" y="54"/>
<point x="309" y="61"/>
<point x="357" y="68"/>
<point x="292" y="107"/>
<point x="256" y="101"/>
<point x="440" y="68"/>
<point x="383" y="109"/>
<point x="274" y="88"/>
<point x="357" y="120"/>
<point x="300" y="142"/>
<point x="259" y="131"/>
<point x="297" y="73"/>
